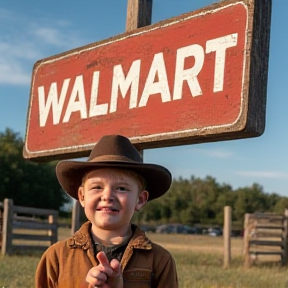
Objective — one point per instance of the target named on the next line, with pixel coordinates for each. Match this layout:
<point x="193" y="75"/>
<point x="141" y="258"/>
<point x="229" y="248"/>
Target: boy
<point x="108" y="251"/>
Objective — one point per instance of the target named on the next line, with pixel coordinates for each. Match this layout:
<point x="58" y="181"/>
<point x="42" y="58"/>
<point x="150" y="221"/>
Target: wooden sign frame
<point x="250" y="93"/>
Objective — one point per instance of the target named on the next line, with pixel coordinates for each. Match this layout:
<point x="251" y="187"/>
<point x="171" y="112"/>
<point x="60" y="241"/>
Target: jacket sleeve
<point x="47" y="270"/>
<point x="167" y="276"/>
<point x="164" y="269"/>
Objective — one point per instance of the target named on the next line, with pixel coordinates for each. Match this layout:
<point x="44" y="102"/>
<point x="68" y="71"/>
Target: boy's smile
<point x="110" y="198"/>
<point x="107" y="209"/>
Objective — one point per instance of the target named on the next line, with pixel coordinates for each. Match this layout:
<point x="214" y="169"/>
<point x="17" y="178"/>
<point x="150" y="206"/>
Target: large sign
<point x="195" y="78"/>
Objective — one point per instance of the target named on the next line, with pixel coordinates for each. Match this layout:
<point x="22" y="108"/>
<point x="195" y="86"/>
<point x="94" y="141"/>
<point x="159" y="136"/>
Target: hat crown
<point x="114" y="148"/>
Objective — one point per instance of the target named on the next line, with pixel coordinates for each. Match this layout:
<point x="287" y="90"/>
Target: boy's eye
<point x="96" y="187"/>
<point x="122" y="189"/>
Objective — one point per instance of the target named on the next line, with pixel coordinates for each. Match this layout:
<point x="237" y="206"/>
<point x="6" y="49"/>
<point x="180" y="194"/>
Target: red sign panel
<point x="184" y="80"/>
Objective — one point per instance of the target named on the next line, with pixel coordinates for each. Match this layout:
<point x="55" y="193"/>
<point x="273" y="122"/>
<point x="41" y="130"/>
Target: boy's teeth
<point x="108" y="209"/>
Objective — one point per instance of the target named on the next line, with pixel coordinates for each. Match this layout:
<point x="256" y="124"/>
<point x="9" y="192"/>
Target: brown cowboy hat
<point x="114" y="151"/>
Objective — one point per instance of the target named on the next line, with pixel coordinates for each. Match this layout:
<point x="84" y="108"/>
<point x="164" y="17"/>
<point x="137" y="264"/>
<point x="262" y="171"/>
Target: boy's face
<point x="110" y="197"/>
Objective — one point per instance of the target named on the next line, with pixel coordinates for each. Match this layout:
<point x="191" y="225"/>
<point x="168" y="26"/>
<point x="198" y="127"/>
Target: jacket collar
<point x="82" y="239"/>
<point x="139" y="239"/>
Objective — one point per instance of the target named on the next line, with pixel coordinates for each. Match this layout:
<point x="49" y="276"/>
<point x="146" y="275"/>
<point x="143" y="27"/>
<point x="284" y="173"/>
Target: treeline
<point x="201" y="201"/>
<point x="28" y="183"/>
<point x="189" y="201"/>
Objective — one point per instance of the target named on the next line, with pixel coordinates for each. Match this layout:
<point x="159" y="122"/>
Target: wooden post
<point x="227" y="235"/>
<point x="75" y="217"/>
<point x="53" y="233"/>
<point x="7" y="227"/>
<point x="246" y="247"/>
<point x="139" y="14"/>
<point x="285" y="238"/>
<point x="1" y="223"/>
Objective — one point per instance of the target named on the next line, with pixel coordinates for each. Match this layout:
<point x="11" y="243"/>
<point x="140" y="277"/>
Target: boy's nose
<point x="107" y="194"/>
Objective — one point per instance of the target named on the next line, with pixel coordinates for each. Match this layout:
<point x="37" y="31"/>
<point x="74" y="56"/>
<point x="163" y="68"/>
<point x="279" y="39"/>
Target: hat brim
<point x="70" y="174"/>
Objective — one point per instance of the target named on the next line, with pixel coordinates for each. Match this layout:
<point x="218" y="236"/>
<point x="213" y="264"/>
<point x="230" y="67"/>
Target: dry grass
<point x="199" y="261"/>
<point x="196" y="243"/>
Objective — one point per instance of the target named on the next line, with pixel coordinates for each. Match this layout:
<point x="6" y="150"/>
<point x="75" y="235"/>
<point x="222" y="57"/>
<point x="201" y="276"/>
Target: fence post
<point x="227" y="236"/>
<point x="7" y="226"/>
<point x="285" y="238"/>
<point x="1" y="223"/>
<point x="53" y="233"/>
<point x="247" y="261"/>
<point x="75" y="217"/>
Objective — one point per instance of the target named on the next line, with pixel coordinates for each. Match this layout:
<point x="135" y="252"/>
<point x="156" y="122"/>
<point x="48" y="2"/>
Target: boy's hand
<point x="105" y="275"/>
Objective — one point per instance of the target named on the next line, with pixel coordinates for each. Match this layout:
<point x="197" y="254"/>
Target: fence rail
<point x="265" y="234"/>
<point x="26" y="228"/>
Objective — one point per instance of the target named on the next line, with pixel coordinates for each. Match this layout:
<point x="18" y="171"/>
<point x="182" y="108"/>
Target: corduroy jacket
<point x="144" y="263"/>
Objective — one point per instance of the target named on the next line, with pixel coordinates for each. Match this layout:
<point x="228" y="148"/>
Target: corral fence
<point x="265" y="235"/>
<point x="26" y="228"/>
<point x="1" y="223"/>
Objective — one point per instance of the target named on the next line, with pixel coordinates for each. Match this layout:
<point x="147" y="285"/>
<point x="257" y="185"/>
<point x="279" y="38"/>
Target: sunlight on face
<point x="111" y="196"/>
<point x="119" y="174"/>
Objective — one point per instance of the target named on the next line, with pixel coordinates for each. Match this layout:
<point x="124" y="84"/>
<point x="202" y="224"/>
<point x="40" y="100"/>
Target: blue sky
<point x="32" y="30"/>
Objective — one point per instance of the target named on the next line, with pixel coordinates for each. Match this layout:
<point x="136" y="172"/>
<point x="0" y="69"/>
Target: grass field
<point x="199" y="262"/>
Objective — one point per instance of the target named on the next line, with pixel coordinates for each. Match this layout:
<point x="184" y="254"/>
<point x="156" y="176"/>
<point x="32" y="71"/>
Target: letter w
<point x="52" y="100"/>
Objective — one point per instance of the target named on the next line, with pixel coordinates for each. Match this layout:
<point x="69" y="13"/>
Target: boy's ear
<point x="142" y="199"/>
<point x="81" y="195"/>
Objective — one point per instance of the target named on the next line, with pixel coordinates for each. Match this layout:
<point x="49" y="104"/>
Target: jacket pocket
<point x="143" y="278"/>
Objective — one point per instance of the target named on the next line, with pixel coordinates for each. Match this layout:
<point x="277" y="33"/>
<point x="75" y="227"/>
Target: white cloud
<point x="49" y="36"/>
<point x="24" y="41"/>
<point x="12" y="50"/>
<point x="58" y="36"/>
<point x="264" y="174"/>
<point x="13" y="74"/>
<point x="215" y="153"/>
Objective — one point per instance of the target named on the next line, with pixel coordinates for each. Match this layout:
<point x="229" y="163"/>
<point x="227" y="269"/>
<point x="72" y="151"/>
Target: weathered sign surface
<point x="195" y="78"/>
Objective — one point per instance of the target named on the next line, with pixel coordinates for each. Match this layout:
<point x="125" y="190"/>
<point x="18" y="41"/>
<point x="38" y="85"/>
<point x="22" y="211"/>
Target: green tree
<point x="27" y="183"/>
<point x="226" y="197"/>
<point x="281" y="205"/>
<point x="204" y="197"/>
<point x="250" y="200"/>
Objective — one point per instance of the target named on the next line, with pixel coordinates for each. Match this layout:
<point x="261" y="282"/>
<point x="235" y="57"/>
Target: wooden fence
<point x="1" y="222"/>
<point x="265" y="235"/>
<point x="25" y="228"/>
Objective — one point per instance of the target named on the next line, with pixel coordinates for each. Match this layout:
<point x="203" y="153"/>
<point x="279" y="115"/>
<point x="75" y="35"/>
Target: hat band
<point x="113" y="158"/>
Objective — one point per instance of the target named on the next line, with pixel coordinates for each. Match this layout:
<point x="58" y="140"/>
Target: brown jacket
<point x="144" y="264"/>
